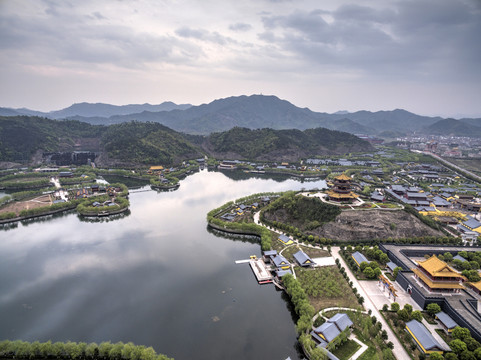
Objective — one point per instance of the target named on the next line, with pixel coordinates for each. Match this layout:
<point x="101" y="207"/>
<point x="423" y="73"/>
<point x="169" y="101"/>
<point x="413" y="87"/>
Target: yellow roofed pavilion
<point x="437" y="275"/>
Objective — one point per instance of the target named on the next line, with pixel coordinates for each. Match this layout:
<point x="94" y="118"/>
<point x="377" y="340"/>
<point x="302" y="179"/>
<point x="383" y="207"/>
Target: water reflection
<point x="156" y="277"/>
<point x="104" y="219"/>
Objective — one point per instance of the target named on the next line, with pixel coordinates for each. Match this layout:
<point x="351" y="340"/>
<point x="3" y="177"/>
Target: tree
<point x="396" y="271"/>
<point x="403" y="315"/>
<point x="477" y="353"/>
<point x="450" y="356"/>
<point x="458" y="346"/>
<point x="460" y="333"/>
<point x="369" y="272"/>
<point x="433" y="309"/>
<point x="385" y="307"/>
<point x="436" y="356"/>
<point x="363" y="265"/>
<point x="409" y="308"/>
<point x="467" y="355"/>
<point x="417" y="315"/>
<point x="448" y="257"/>
<point x="472" y="343"/>
<point x="395" y="306"/>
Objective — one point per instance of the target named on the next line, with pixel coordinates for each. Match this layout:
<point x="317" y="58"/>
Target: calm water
<point x="156" y="277"/>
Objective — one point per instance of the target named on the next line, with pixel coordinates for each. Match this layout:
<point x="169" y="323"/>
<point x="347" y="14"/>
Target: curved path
<point x="399" y="352"/>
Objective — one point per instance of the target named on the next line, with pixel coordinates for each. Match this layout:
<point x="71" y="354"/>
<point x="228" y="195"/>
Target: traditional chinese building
<point x="341" y="189"/>
<point x="437" y="276"/>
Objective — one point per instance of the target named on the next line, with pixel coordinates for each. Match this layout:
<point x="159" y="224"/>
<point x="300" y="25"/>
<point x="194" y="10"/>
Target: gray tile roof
<point x="391" y="265"/>
<point x="342" y="321"/>
<point x="423" y="336"/>
<point x="280" y="260"/>
<point x="328" y="330"/>
<point x="459" y="257"/>
<point x="472" y="223"/>
<point x="359" y="257"/>
<point x="302" y="258"/>
<point x="446" y="320"/>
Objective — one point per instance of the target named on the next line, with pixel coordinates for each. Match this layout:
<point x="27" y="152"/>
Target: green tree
<point x="409" y="308"/>
<point x="369" y="272"/>
<point x="450" y="356"/>
<point x="433" y="309"/>
<point x="403" y="314"/>
<point x="396" y="271"/>
<point x="477" y="353"/>
<point x="417" y="315"/>
<point x="460" y="333"/>
<point x="467" y="355"/>
<point x="395" y="306"/>
<point x="436" y="356"/>
<point x="458" y="346"/>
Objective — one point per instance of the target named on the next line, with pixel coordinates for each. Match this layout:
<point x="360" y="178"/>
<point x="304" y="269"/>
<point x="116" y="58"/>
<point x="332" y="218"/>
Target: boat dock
<point x="260" y="270"/>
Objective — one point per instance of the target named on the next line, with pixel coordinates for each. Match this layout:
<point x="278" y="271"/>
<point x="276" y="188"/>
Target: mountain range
<point x="257" y="112"/>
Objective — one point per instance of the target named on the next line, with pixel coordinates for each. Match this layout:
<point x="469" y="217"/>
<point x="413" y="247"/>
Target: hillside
<point x="359" y="225"/>
<point x="22" y="138"/>
<point x="145" y="143"/>
<point x="454" y="128"/>
<point x="286" y="145"/>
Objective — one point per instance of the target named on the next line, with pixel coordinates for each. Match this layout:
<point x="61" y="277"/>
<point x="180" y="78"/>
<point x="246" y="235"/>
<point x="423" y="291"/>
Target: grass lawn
<point x="369" y="354"/>
<point x="347" y="349"/>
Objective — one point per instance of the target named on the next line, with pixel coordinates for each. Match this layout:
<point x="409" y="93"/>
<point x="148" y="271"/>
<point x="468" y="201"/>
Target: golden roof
<point x="438" y="268"/>
<point x="160" y="167"/>
<point x="332" y="193"/>
<point x="437" y="284"/>
<point x="476" y="285"/>
<point x="342" y="177"/>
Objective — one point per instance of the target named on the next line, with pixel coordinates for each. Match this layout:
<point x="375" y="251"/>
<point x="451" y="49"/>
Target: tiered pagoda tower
<point x="437" y="276"/>
<point x="341" y="191"/>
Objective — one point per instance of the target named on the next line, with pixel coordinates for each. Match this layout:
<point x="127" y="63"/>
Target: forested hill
<point x="288" y="145"/>
<point x="23" y="139"/>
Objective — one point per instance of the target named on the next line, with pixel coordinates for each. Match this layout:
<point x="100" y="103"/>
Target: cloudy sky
<point x="420" y="55"/>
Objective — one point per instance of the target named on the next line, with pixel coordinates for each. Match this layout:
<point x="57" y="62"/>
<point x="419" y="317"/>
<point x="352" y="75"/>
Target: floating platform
<point x="260" y="270"/>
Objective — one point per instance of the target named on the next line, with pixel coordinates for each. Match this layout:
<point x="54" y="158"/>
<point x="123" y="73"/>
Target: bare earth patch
<point x="18" y="206"/>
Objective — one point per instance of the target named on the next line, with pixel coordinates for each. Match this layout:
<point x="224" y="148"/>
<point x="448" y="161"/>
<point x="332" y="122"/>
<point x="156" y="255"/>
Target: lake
<point x="157" y="277"/>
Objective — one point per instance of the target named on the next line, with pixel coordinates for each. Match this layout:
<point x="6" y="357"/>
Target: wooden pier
<point x="260" y="270"/>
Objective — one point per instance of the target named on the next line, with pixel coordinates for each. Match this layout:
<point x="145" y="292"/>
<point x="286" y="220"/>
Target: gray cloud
<point x="408" y="38"/>
<point x="240" y="27"/>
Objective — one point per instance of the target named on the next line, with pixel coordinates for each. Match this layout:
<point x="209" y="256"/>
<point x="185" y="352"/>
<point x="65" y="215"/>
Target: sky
<point x="420" y="55"/>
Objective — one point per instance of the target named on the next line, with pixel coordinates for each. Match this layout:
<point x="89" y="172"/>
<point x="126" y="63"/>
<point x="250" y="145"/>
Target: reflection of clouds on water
<point x="126" y="279"/>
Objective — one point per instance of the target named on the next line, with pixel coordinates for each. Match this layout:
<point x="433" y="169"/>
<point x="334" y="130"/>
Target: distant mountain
<point x="98" y="110"/>
<point x="252" y="112"/>
<point x="106" y="110"/>
<point x="259" y="111"/>
<point x="453" y="127"/>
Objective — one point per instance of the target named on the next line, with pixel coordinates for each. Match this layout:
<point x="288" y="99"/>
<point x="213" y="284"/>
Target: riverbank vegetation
<point x="243" y="227"/>
<point x="72" y="350"/>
